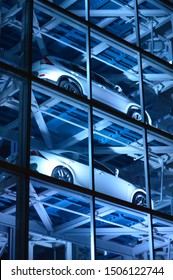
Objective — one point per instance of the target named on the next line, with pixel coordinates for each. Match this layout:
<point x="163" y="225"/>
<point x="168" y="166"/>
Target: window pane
<point x="157" y="80"/>
<point x="59" y="223"/>
<point x="156" y="28"/>
<point x="76" y="7"/>
<point x="115" y="77"/>
<point x="160" y="153"/>
<point x="11" y="91"/>
<point x="14" y="37"/>
<point x="119" y="148"/>
<point x="163" y="234"/>
<point x="8" y="184"/>
<point x="59" y="41"/>
<point x="121" y="234"/>
<point x="117" y="17"/>
<point x="59" y="136"/>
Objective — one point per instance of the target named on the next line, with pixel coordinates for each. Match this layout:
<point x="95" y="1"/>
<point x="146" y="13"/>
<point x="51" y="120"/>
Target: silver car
<point x="73" y="167"/>
<point x="72" y="77"/>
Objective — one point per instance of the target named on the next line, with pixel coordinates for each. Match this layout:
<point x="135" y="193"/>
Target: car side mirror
<point x="116" y="172"/>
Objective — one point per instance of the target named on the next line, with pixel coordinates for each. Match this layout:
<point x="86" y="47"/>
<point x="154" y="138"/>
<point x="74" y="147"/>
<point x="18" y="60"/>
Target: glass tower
<point x="86" y="124"/>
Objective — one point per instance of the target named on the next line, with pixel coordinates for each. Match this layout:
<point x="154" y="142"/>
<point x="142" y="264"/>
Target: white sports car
<point x="73" y="78"/>
<point x="74" y="167"/>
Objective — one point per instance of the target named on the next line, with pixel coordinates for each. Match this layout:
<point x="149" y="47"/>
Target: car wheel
<point x="70" y="86"/>
<point x="140" y="199"/>
<point x="62" y="173"/>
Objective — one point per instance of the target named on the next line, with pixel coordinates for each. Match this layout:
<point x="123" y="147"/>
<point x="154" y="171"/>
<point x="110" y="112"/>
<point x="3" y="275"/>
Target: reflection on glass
<point x="59" y="223"/>
<point x="59" y="137"/>
<point x="119" y="148"/>
<point x="156" y="28"/>
<point x="158" y="94"/>
<point x="10" y="90"/>
<point x="160" y="155"/>
<point x="163" y="235"/>
<point x="7" y="215"/>
<point x="121" y="234"/>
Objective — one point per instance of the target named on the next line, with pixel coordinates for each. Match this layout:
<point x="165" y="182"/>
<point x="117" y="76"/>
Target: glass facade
<point x="86" y="145"/>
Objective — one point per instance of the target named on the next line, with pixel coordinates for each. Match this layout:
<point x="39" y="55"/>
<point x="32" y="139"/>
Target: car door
<point x="108" y="183"/>
<point x="79" y="163"/>
<point x="105" y="93"/>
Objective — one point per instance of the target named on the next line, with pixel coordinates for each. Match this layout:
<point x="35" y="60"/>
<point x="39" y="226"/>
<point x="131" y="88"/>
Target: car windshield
<point x="84" y="160"/>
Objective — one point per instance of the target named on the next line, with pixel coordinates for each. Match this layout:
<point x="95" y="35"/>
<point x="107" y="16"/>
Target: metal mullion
<point x="148" y="192"/>
<point x="151" y="237"/>
<point x="139" y="59"/>
<point x="145" y="144"/>
<point x="137" y="23"/>
<point x="22" y="194"/>
<point x="0" y="18"/>
<point x="11" y="242"/>
<point x="90" y="137"/>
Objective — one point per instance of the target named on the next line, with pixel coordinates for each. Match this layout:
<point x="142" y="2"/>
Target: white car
<point x="73" y="167"/>
<point x="72" y="77"/>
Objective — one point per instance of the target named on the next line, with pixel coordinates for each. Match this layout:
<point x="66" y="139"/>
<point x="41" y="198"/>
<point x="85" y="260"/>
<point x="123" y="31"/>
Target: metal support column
<point x="90" y="136"/>
<point x="22" y="192"/>
<point x="11" y="243"/>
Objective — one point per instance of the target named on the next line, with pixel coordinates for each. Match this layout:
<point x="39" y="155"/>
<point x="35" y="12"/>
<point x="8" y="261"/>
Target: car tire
<point x="62" y="173"/>
<point x="140" y="199"/>
<point x="70" y="86"/>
